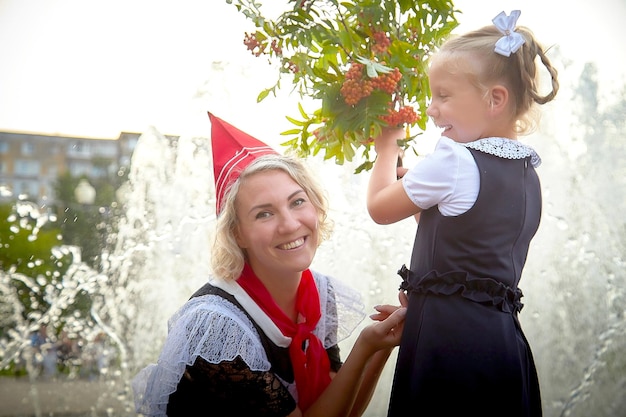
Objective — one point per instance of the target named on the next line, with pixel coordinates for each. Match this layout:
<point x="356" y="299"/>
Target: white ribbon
<point x="511" y="41"/>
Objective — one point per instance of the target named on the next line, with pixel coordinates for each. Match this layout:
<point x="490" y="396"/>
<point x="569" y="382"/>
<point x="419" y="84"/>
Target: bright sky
<point x="96" y="68"/>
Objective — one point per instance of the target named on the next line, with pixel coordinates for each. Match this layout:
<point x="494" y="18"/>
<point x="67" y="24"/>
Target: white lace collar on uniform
<point x="505" y="148"/>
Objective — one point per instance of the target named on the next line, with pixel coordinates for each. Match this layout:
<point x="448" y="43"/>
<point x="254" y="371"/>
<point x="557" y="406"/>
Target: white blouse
<point x="449" y="177"/>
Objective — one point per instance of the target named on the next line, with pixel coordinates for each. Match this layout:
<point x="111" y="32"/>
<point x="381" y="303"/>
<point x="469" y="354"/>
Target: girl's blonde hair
<point x="517" y="72"/>
<point x="227" y="258"/>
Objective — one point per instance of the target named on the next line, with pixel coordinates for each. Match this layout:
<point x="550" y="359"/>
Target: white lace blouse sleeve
<point x="215" y="330"/>
<point x="342" y="309"/>
<point x="447" y="178"/>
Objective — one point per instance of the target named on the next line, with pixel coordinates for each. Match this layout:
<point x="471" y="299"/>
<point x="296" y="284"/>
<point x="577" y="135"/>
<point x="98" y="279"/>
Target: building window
<point x="28" y="188"/>
<point x="4" y="146"/>
<point x="28" y="148"/>
<point x="79" y="148"/>
<point x="27" y="168"/>
<point x="105" y="150"/>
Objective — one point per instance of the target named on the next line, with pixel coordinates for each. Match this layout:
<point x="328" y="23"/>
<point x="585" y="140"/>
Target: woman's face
<point x="277" y="224"/>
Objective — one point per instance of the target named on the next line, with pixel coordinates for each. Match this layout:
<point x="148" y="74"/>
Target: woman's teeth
<point x="294" y="244"/>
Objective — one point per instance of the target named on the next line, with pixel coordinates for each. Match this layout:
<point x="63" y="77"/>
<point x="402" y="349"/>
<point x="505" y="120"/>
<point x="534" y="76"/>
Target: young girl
<point x="478" y="201"/>
<point x="261" y="337"/>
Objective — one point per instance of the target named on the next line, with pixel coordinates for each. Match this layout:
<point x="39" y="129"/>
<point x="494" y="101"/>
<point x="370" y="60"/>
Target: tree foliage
<point x="87" y="226"/>
<point x="27" y="243"/>
<point x="30" y="256"/>
<point x="364" y="61"/>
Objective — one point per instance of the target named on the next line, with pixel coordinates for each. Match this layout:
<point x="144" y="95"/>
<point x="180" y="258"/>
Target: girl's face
<point x="277" y="224"/>
<point x="457" y="106"/>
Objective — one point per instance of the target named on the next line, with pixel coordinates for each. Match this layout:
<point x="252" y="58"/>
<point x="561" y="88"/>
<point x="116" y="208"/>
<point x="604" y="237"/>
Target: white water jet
<point x="574" y="283"/>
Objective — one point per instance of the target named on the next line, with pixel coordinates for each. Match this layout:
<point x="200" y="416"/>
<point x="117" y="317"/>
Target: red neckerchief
<point x="311" y="366"/>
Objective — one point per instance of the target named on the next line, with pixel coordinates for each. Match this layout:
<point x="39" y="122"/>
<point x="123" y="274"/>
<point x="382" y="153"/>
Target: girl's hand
<point x="388" y="139"/>
<point x="401" y="172"/>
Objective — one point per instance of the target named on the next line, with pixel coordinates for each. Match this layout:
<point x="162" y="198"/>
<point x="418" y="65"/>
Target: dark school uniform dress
<point x="463" y="351"/>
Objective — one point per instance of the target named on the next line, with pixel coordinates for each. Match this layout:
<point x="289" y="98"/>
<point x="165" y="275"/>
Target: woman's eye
<point x="299" y="202"/>
<point x="262" y="215"/>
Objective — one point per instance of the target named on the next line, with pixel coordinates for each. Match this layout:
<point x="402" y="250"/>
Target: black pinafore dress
<point x="463" y="351"/>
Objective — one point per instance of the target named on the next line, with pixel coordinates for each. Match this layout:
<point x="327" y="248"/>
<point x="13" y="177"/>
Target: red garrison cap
<point x="233" y="150"/>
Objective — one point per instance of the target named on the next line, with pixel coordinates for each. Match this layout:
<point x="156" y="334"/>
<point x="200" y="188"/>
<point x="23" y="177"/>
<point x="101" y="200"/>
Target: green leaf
<point x="318" y="43"/>
<point x="373" y="68"/>
<point x="263" y="94"/>
<point x="302" y="112"/>
<point x="291" y="132"/>
<point x="295" y="122"/>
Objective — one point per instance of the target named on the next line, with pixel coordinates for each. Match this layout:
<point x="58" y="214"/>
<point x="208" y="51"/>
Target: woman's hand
<point x="384" y="311"/>
<point x="386" y="332"/>
<point x="351" y="389"/>
<point x="391" y="320"/>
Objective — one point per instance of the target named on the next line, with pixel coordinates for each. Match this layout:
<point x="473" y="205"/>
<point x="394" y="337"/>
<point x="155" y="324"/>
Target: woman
<point x="261" y="338"/>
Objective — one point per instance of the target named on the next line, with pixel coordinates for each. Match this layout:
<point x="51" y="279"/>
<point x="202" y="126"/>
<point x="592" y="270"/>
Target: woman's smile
<point x="292" y="245"/>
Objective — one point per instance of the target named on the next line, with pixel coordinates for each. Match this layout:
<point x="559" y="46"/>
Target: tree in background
<point x="363" y="61"/>
<point x="39" y="283"/>
<point x="43" y="279"/>
<point x="88" y="226"/>
<point x="30" y="252"/>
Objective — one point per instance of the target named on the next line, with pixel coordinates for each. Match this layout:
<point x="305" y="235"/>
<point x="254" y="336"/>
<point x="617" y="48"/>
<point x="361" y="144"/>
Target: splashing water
<point x="574" y="282"/>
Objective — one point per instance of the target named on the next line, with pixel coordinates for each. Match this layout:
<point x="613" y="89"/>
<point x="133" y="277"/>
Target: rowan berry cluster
<point x="258" y="48"/>
<point x="277" y="49"/>
<point x="293" y="67"/>
<point x="401" y="116"/>
<point x="387" y="82"/>
<point x="317" y="134"/>
<point x="253" y="44"/>
<point x="357" y="86"/>
<point x="381" y="42"/>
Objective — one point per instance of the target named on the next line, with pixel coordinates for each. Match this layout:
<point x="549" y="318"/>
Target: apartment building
<point x="30" y="163"/>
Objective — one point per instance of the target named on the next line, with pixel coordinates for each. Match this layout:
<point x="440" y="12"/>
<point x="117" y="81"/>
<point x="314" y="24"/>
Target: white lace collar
<point x="505" y="148"/>
<point x="260" y="317"/>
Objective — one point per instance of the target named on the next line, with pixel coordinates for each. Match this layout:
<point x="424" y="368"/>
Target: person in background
<point x="69" y="353"/>
<point x="478" y="197"/>
<point x="261" y="337"/>
<point x="44" y="352"/>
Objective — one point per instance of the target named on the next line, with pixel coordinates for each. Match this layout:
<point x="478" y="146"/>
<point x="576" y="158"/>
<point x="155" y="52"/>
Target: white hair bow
<point x="511" y="41"/>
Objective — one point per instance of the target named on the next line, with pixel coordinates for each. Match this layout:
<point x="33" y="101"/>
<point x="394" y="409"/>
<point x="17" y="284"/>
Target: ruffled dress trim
<point x="485" y="291"/>
<point x="216" y="330"/>
<point x="505" y="148"/>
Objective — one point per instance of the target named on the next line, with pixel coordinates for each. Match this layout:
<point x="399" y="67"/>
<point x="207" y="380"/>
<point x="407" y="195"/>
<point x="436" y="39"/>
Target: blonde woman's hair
<point x="517" y="72"/>
<point x="227" y="258"/>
